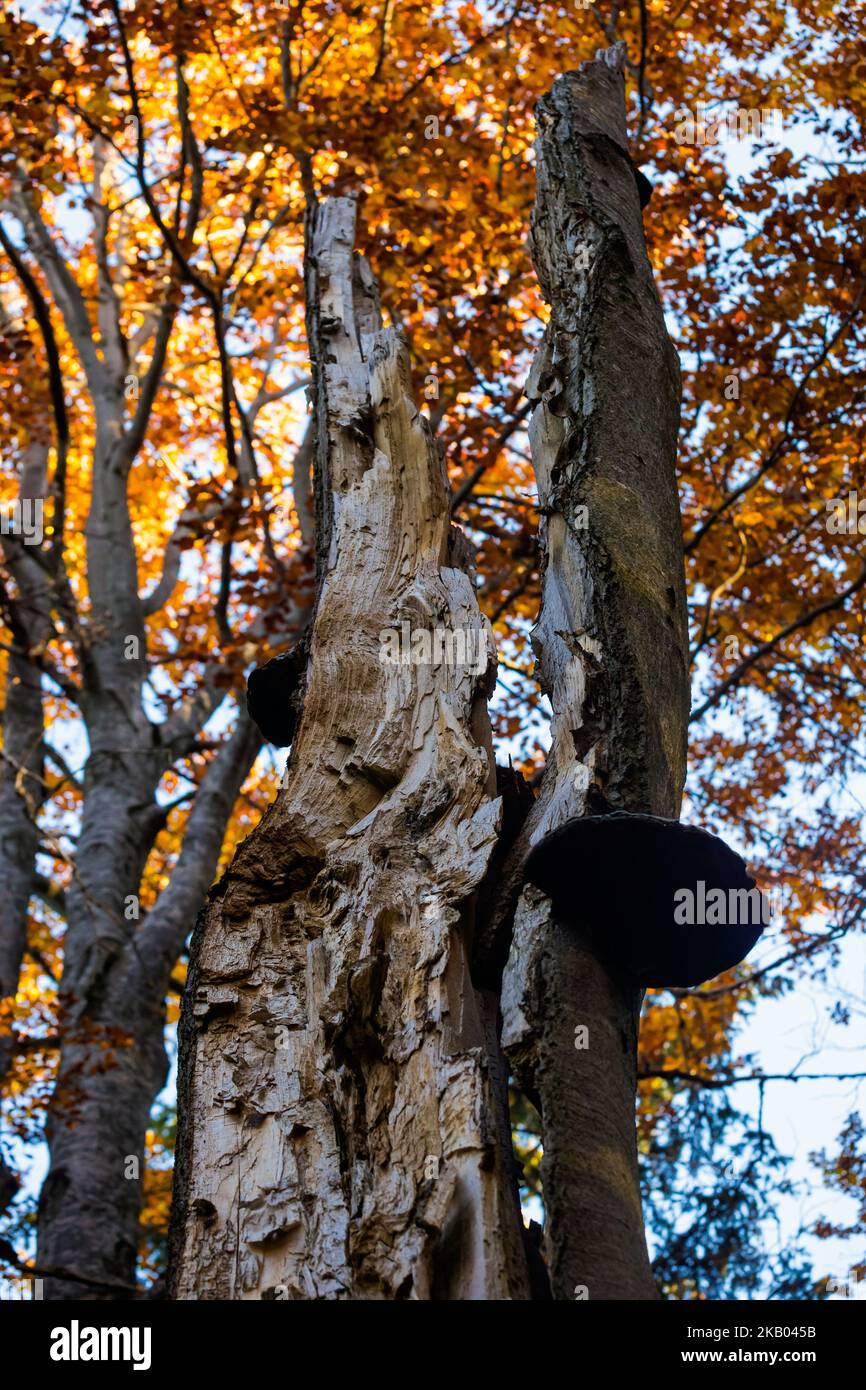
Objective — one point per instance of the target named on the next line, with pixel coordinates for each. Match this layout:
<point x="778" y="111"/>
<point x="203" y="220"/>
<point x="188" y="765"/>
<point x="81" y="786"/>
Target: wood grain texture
<point x="339" y="1073"/>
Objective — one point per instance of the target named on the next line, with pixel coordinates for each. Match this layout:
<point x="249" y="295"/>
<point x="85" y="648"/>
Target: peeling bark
<point x="341" y="1085"/>
<point x="611" y="643"/>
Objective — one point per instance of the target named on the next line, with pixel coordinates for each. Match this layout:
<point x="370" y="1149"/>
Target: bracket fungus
<point x="271" y="691"/>
<point x="644" y="187"/>
<point x="667" y="905"/>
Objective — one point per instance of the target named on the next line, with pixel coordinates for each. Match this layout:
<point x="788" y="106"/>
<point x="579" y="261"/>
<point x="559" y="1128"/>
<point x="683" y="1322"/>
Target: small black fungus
<point x="271" y="691"/>
<point x="644" y="187"/>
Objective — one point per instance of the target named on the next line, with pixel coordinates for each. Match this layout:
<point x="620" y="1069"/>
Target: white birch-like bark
<point x="341" y="1084"/>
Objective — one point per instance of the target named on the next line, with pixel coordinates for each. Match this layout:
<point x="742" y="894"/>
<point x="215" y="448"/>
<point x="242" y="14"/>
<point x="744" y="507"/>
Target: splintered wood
<point x="340" y="1134"/>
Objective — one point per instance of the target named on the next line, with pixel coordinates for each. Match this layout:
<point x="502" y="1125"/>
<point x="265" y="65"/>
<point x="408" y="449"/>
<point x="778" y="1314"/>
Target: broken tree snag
<point x="340" y="1076"/>
<point x="611" y="643"/>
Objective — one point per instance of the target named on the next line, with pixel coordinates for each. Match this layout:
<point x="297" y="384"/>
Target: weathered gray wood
<point x="338" y="1081"/>
<point x="611" y="643"/>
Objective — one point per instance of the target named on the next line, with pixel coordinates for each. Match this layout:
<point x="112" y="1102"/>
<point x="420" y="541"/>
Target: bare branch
<point x="168" y="313"/>
<point x="42" y="315"/>
<point x="490" y="456"/>
<point x="172" y="917"/>
<point x="766" y="647"/>
<point x="64" y="288"/>
<point x="717" y="1083"/>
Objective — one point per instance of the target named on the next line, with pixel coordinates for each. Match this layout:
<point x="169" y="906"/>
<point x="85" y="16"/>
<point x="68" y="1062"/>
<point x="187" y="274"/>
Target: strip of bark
<point x="611" y="644"/>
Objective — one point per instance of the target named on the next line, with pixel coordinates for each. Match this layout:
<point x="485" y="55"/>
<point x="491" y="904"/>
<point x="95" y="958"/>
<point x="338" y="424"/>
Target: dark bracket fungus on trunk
<point x="644" y="187"/>
<point x="667" y="905"/>
<point x="272" y="692"/>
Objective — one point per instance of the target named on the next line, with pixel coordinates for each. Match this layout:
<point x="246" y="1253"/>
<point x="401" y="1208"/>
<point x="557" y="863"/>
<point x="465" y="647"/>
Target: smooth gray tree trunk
<point x="22" y="765"/>
<point x="612" y="649"/>
<point x="115" y="979"/>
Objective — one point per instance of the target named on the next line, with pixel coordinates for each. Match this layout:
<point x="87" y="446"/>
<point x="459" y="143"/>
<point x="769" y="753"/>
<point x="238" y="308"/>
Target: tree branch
<point x="778" y="448"/>
<point x="173" y="914"/>
<point x="64" y="288"/>
<point x="766" y="647"/>
<point x="42" y="315"/>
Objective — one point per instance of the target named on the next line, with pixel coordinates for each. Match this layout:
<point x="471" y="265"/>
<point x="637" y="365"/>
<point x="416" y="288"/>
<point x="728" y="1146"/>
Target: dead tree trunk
<point x="611" y="643"/>
<point x="340" y="1077"/>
